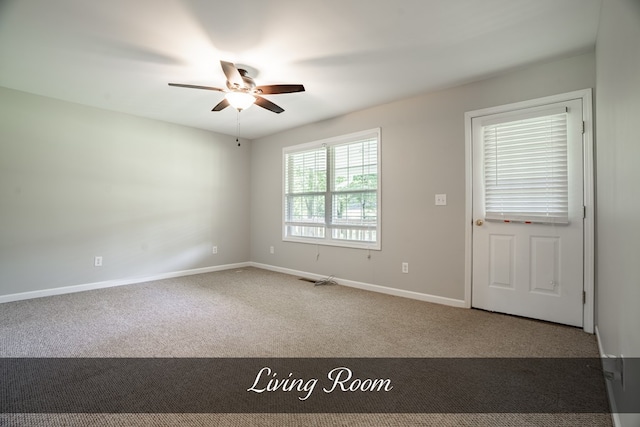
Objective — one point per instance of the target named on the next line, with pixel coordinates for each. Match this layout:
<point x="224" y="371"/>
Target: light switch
<point x="441" y="199"/>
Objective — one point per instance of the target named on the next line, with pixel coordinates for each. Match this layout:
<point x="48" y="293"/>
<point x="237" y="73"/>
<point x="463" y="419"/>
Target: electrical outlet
<point x="405" y="267"/>
<point x="613" y="368"/>
<point x="214" y="250"/>
<point x="272" y="250"/>
<point x="97" y="261"/>
<point x="441" y="199"/>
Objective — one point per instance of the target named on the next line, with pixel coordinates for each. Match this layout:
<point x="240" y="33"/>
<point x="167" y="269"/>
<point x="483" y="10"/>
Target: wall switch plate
<point x="272" y="250"/>
<point x="405" y="267"/>
<point x="441" y="199"/>
<point x="214" y="250"/>
<point x="97" y="261"/>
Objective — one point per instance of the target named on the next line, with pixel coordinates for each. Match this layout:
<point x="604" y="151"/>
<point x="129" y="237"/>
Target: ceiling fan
<point x="242" y="91"/>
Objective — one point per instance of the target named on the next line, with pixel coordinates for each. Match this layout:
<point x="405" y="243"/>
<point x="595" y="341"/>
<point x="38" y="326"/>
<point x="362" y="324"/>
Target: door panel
<point x="545" y="259"/>
<point x="528" y="268"/>
<point x="501" y="261"/>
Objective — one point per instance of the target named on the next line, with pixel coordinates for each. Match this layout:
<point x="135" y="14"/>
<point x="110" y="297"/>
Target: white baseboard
<point x="367" y="286"/>
<point x="118" y="282"/>
<point x="615" y="417"/>
<point x="133" y="280"/>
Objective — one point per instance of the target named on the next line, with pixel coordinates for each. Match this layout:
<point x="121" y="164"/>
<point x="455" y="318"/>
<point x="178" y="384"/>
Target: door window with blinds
<point x="332" y="191"/>
<point x="525" y="166"/>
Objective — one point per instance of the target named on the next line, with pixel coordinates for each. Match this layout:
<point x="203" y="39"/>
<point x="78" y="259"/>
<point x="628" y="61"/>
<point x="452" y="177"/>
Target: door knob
<point x="479" y="222"/>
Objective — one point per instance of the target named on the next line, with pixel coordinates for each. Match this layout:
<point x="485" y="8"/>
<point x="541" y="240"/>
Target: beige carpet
<point x="257" y="313"/>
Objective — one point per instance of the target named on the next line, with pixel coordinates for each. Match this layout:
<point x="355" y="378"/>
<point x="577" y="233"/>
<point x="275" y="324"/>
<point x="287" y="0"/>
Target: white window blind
<point x="305" y="190"/>
<point x="332" y="191"/>
<point x="525" y="168"/>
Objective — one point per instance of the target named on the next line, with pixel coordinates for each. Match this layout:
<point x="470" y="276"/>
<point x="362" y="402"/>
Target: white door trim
<point x="587" y="117"/>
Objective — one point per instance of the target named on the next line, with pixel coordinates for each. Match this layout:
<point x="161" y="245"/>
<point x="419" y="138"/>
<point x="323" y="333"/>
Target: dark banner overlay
<point x="304" y="385"/>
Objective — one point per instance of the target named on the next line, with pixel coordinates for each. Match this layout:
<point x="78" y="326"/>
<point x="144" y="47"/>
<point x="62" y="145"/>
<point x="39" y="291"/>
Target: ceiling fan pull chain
<point x="238" y="129"/>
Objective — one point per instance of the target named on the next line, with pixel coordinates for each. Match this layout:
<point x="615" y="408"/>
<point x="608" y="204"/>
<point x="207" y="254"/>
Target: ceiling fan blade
<point x="197" y="87"/>
<point x="232" y="73"/>
<point x="221" y="105"/>
<point x="275" y="89"/>
<point x="264" y="103"/>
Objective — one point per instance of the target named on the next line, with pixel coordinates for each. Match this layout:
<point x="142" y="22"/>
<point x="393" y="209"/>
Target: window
<point x="332" y="191"/>
<point x="525" y="167"/>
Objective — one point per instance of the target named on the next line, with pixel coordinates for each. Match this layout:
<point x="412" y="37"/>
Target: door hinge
<point x="584" y="297"/>
<point x="583" y="127"/>
<point x="584" y="212"/>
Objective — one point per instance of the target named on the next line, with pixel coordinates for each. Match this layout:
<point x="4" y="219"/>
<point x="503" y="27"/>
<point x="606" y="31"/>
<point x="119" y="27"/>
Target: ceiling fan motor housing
<point x="249" y="84"/>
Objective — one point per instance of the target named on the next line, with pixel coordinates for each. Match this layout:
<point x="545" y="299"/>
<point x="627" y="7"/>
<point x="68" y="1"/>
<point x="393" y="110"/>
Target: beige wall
<point x="618" y="191"/>
<point x="150" y="197"/>
<point x="422" y="154"/>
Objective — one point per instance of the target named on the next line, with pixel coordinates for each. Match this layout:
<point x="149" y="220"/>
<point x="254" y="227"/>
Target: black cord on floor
<point x="327" y="281"/>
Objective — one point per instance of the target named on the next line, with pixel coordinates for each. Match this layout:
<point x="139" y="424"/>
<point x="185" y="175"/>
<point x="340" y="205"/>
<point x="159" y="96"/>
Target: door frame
<point x="588" y="187"/>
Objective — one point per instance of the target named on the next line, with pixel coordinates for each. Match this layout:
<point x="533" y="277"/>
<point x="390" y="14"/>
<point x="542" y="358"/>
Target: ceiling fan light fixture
<point x="240" y="100"/>
<point x="242" y="91"/>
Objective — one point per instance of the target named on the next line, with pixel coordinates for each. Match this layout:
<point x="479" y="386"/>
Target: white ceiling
<point x="350" y="54"/>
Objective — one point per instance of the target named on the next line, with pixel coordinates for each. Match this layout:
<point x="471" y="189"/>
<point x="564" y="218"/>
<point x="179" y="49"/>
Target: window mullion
<point x="328" y="199"/>
<point x="290" y="185"/>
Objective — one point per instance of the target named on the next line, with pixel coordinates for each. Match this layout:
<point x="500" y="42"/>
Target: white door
<point x="528" y="211"/>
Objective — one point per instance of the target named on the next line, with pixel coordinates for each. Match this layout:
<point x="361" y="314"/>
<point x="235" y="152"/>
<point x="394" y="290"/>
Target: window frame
<point x="329" y="225"/>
